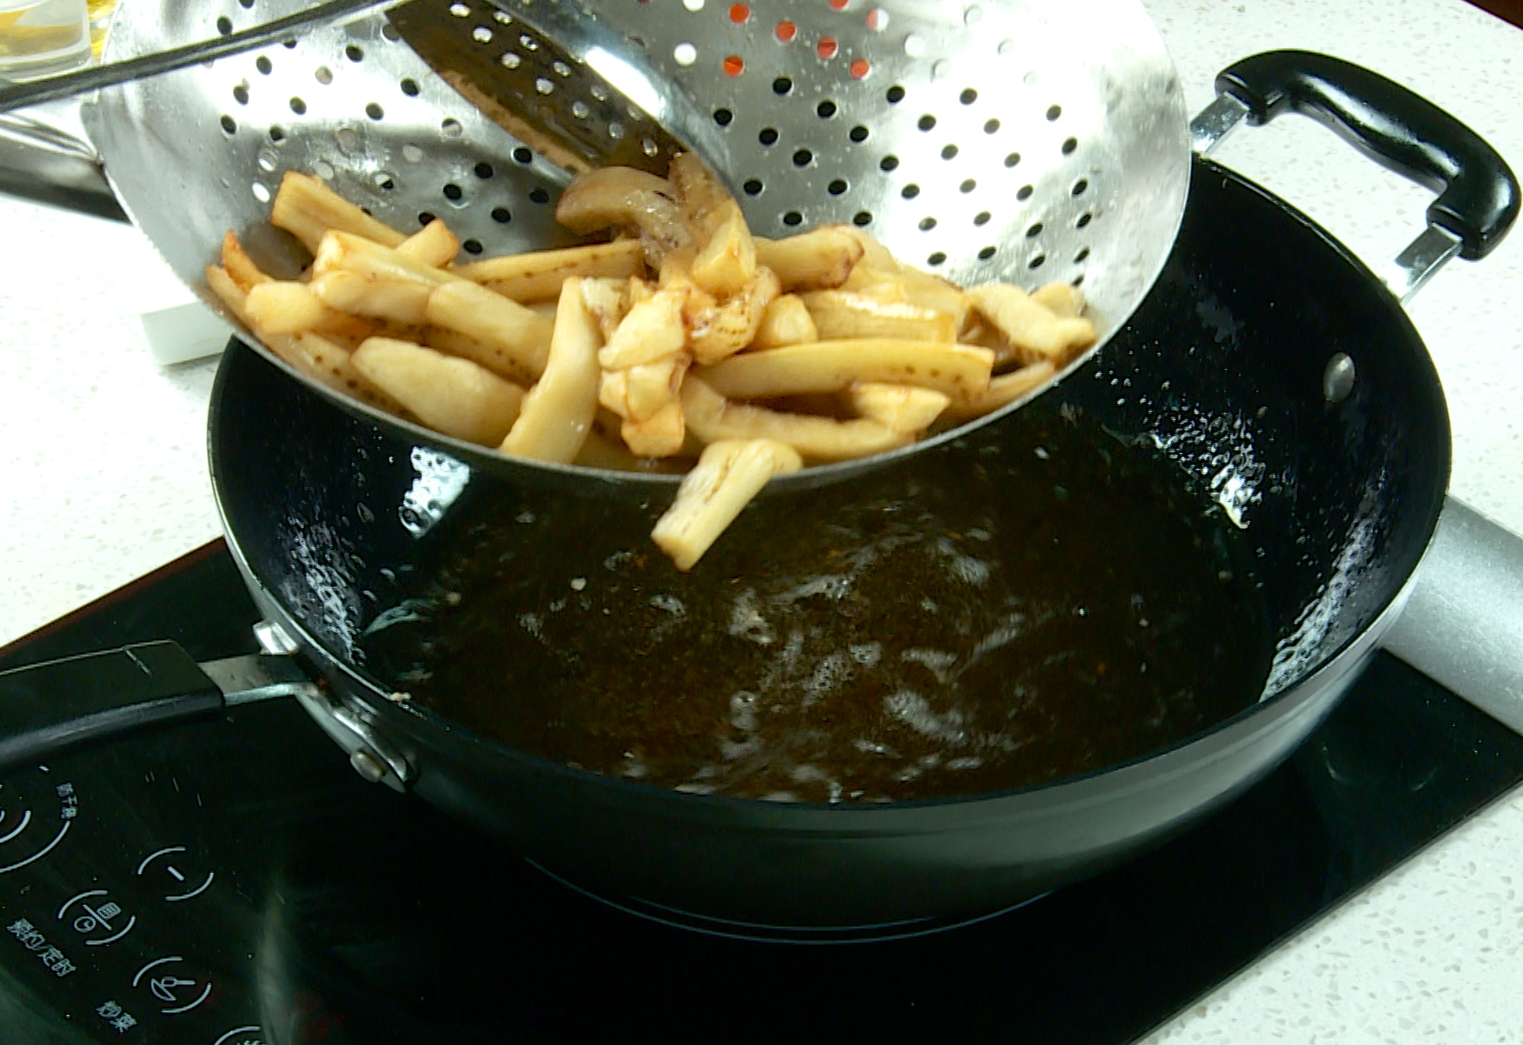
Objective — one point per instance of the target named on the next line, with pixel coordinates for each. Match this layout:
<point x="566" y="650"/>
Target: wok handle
<point x="62" y="704"/>
<point x="1478" y="194"/>
<point x="59" y="705"/>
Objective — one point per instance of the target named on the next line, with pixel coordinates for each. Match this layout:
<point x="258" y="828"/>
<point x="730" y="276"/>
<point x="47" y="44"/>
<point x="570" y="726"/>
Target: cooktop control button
<point x="173" y="872"/>
<point x="250" y="1035"/>
<point x="30" y="827"/>
<point x="165" y="980"/>
<point x="96" y="917"/>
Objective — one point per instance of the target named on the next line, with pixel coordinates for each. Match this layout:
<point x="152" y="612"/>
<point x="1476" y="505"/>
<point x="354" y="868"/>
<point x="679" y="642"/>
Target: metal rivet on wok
<point x="1338" y="378"/>
<point x="368" y="765"/>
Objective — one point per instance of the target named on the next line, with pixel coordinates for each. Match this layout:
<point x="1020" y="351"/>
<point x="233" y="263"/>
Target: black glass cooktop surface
<point x="236" y="882"/>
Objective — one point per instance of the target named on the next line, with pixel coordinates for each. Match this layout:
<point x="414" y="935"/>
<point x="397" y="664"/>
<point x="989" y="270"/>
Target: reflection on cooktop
<point x="236" y="882"/>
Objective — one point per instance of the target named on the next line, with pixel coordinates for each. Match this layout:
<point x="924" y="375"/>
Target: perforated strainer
<point x="994" y="139"/>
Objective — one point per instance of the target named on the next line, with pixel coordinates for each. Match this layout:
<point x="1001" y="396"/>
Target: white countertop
<point x="106" y="466"/>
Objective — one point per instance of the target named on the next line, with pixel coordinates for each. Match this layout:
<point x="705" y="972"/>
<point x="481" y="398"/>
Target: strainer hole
<point x="453" y="192"/>
<point x="484" y="170"/>
<point x="768" y="136"/>
<point x="685" y="53"/>
<point x="786" y="30"/>
<point x="826" y="48"/>
<point x="739" y="13"/>
<point x="267" y="162"/>
<point x="927" y="224"/>
<point x="374" y="111"/>
<point x="502" y="18"/>
<point x="501" y="215"/>
<point x="990" y="126"/>
<point x="481" y="34"/>
<point x="1070" y="145"/>
<point x="859" y="68"/>
<point x="968" y="96"/>
<point x="862" y="217"/>
<point x="229" y="125"/>
<point x="225" y="26"/>
<point x="858" y="134"/>
<point x="298" y="106"/>
<point x="877" y="19"/>
<point x="985" y="254"/>
<point x="277" y="134"/>
<point x="510" y="60"/>
<point x="752" y="187"/>
<point x="782" y="85"/>
<point x="936" y="259"/>
<point x="693" y="5"/>
<point x="323" y="169"/>
<point x="792" y="218"/>
<point x="723" y="117"/>
<point x="264" y="65"/>
<point x="734" y="65"/>
<point x="523" y="155"/>
<point x="383" y="181"/>
<point x="1034" y="231"/>
<point x="412" y="154"/>
<point x="836" y="187"/>
<point x="1037" y="262"/>
<point x="1077" y="281"/>
<point x="948" y="151"/>
<point x="825" y="110"/>
<point x="982" y="218"/>
<point x="914" y="45"/>
<point x="910" y="191"/>
<point x="424" y="218"/>
<point x="839" y="5"/>
<point x="261" y="193"/>
<point x="539" y="196"/>
<point x="544" y="85"/>
<point x="450" y="127"/>
<point x="460" y="10"/>
<point x="1084" y="219"/>
<point x="801" y="157"/>
<point x="390" y="32"/>
<point x="323" y="75"/>
<point x="1024" y="192"/>
<point x="410" y="88"/>
<point x="1053" y="112"/>
<point x="1082" y="256"/>
<point x="348" y="140"/>
<point x="246" y="4"/>
<point x="472" y="246"/>
<point x="1011" y="159"/>
<point x="967" y="186"/>
<point x="241" y="94"/>
<point x="1080" y="186"/>
<point x="580" y="110"/>
<point x="289" y="45"/>
<point x="894" y="95"/>
<point x="888" y="163"/>
<point x="926" y="122"/>
<point x="649" y="147"/>
<point x="354" y="53"/>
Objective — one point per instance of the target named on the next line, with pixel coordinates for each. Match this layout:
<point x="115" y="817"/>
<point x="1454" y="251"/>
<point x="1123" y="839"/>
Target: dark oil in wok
<point x="978" y="620"/>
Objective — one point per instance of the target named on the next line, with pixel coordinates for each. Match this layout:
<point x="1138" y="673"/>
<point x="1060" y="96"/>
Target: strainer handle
<point x="1478" y="194"/>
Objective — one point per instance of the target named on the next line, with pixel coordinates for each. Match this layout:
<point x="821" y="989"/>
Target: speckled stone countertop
<point x="104" y="470"/>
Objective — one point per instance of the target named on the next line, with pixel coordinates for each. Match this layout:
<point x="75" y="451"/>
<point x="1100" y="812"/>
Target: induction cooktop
<point x="235" y="882"/>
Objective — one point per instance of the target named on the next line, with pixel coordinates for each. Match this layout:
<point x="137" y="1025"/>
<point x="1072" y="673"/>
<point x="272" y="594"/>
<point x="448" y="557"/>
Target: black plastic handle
<point x="1478" y="195"/>
<point x="61" y="704"/>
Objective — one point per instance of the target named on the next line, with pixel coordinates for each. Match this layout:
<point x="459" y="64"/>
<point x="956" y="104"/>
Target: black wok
<point x="1234" y="367"/>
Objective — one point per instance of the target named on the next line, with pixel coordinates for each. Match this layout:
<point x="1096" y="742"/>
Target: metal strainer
<point x="980" y="139"/>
